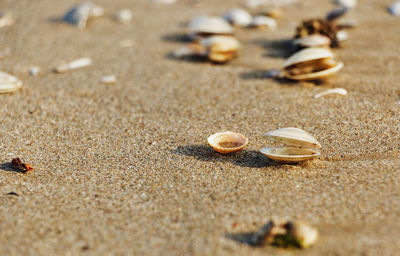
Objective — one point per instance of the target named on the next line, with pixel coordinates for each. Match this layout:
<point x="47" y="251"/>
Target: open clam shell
<point x="9" y="83"/>
<point x="203" y="25"/>
<point x="228" y="142"/>
<point x="299" y="146"/>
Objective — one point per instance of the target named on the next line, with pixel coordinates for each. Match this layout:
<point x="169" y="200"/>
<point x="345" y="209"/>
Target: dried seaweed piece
<point x="318" y="26"/>
<point x="21" y="166"/>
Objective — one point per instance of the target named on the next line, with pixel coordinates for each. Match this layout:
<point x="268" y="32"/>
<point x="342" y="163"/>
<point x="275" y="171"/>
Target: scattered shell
<point x="81" y="13"/>
<point x="346" y="3"/>
<point x="341" y="36"/>
<point x="34" y="71"/>
<point x="311" y="64"/>
<point x="220" y="49"/>
<point x="227" y="142"/>
<point x="340" y="91"/>
<point x="394" y="9"/>
<point x="299" y="146"/>
<point x="9" y="83"/>
<point x="312" y="41"/>
<point x="79" y="63"/>
<point x="126" y="43"/>
<point x="123" y="16"/>
<point x="203" y="26"/>
<point x="238" y="17"/>
<point x="261" y="21"/>
<point x="6" y="19"/>
<point x="109" y="79"/>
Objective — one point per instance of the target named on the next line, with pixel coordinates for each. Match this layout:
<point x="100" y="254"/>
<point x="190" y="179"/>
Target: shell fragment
<point x="227" y="142"/>
<point x="312" y="41"/>
<point x="6" y="19"/>
<point x="81" y="13"/>
<point x="34" y="71"/>
<point x="123" y="16"/>
<point x="9" y="83"/>
<point x="79" y="63"/>
<point x="299" y="146"/>
<point x="111" y="79"/>
<point x="339" y="91"/>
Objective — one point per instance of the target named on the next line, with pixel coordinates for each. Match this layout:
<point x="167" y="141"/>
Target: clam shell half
<point x="228" y="142"/>
<point x="9" y="83"/>
<point x="289" y="155"/>
<point x="316" y="75"/>
<point x="209" y="25"/>
<point x="308" y="54"/>
<point x="293" y="137"/>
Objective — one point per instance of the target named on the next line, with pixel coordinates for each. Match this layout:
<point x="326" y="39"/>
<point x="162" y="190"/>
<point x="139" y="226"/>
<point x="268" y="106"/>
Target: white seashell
<point x="79" y="14"/>
<point x="261" y="21"/>
<point x="79" y="63"/>
<point x="227" y="142"/>
<point x="220" y="48"/>
<point x="394" y="9"/>
<point x="313" y="41"/>
<point x="123" y="16"/>
<point x="209" y="25"/>
<point x="6" y="19"/>
<point x="340" y="91"/>
<point x="341" y="36"/>
<point x="307" y="55"/>
<point x="111" y="79"/>
<point x="238" y="17"/>
<point x="299" y="146"/>
<point x="9" y="83"/>
<point x="347" y="3"/>
<point x="34" y="71"/>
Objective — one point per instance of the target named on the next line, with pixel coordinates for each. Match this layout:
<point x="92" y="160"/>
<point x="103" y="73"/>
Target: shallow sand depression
<point x="125" y="169"/>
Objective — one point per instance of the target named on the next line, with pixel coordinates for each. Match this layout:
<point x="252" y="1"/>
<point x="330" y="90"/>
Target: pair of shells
<point x="311" y="64"/>
<point x="241" y="18"/>
<point x="9" y="83"/>
<point x="299" y="145"/>
<point x="218" y="49"/>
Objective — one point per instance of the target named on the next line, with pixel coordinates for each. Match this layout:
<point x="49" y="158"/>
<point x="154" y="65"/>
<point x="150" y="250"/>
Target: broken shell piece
<point x="227" y="142"/>
<point x="109" y="79"/>
<point x="79" y="63"/>
<point x="81" y="13"/>
<point x="275" y="13"/>
<point x="238" y="17"/>
<point x="394" y="9"/>
<point x="262" y="21"/>
<point x="9" y="83"/>
<point x="203" y="26"/>
<point x="299" y="146"/>
<point x="312" y="41"/>
<point x="34" y="71"/>
<point x="123" y="16"/>
<point x="339" y="91"/>
<point x="220" y="49"/>
<point x="6" y="19"/>
<point x="311" y="64"/>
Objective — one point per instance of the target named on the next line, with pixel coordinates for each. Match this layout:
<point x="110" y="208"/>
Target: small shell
<point x="316" y="75"/>
<point x="209" y="25"/>
<point x="341" y="36"/>
<point x="308" y="54"/>
<point x="275" y="13"/>
<point x="394" y="9"/>
<point x="346" y="3"/>
<point x="9" y="83"/>
<point x="304" y="234"/>
<point x="111" y="79"/>
<point x="238" y="17"/>
<point x="123" y="16"/>
<point x="34" y="71"/>
<point x="339" y="91"/>
<point x="220" y="48"/>
<point x="79" y="63"/>
<point x="262" y="21"/>
<point x="313" y="41"/>
<point x="79" y="14"/>
<point x="6" y="19"/>
<point x="227" y="142"/>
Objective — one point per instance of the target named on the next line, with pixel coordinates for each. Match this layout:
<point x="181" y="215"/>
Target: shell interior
<point x="294" y="137"/>
<point x="307" y="55"/>
<point x="289" y="154"/>
<point x="315" y="74"/>
<point x="227" y="142"/>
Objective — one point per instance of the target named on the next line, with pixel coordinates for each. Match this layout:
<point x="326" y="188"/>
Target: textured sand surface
<point x="124" y="169"/>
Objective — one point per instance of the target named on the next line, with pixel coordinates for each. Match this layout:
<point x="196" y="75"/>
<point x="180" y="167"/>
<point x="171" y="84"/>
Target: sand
<point x="124" y="169"/>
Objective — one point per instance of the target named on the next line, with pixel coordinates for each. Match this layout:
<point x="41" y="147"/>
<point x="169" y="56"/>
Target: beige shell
<point x="308" y="54"/>
<point x="238" y="17"/>
<point x="312" y="41"/>
<point x="261" y="21"/>
<point x="6" y="18"/>
<point x="316" y="75"/>
<point x="209" y="25"/>
<point x="123" y="16"/>
<point x="9" y="83"/>
<point x="220" y="48"/>
<point x="228" y="142"/>
<point x="299" y="146"/>
<point x="79" y="14"/>
<point x="304" y="234"/>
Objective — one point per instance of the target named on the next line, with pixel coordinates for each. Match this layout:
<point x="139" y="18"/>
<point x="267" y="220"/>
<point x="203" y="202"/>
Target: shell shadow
<point x="176" y="38"/>
<point x="281" y="48"/>
<point x="256" y="238"/>
<point x="9" y="168"/>
<point x="193" y="59"/>
<point x="251" y="159"/>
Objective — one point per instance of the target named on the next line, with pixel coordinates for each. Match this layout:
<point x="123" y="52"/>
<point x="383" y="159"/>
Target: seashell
<point x="340" y="91"/>
<point x="341" y="36"/>
<point x="81" y="13"/>
<point x="111" y="79"/>
<point x="261" y="21"/>
<point x="394" y="9"/>
<point x="220" y="49"/>
<point x="192" y="49"/>
<point x="227" y="142"/>
<point x="202" y="26"/>
<point x="9" y="83"/>
<point x="275" y="13"/>
<point x="238" y="17"/>
<point x="123" y="16"/>
<point x="34" y="71"/>
<point x="6" y="19"/>
<point x="315" y="40"/>
<point x="302" y="234"/>
<point x="346" y="3"/>
<point x="79" y="63"/>
<point x="299" y="146"/>
<point x="311" y="64"/>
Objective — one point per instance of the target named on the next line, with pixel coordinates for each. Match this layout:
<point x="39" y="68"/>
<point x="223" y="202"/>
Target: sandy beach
<point x="125" y="169"/>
